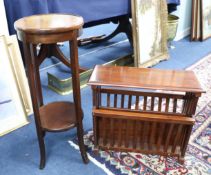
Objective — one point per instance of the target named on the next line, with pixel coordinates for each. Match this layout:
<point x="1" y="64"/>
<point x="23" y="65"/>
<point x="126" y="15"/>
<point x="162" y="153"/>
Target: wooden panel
<point x="119" y="76"/>
<point x="143" y="116"/>
<point x="142" y="136"/>
<point x="49" y="23"/>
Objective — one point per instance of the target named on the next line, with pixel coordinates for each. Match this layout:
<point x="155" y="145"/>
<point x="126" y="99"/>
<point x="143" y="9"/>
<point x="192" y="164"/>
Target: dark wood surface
<point x="147" y="78"/>
<point x="47" y="30"/>
<point x="58" y="116"/>
<point x="51" y="28"/>
<point x="143" y="116"/>
<point x="49" y="23"/>
<point x="136" y="120"/>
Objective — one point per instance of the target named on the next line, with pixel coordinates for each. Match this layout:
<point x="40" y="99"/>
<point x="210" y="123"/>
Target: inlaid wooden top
<point x="48" y="23"/>
<point x="146" y="78"/>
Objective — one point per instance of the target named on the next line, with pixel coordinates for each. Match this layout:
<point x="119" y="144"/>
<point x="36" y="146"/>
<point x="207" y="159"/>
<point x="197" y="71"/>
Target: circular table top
<point x="48" y="23"/>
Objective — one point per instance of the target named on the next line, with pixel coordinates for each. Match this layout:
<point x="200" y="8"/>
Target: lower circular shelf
<point x="58" y="116"/>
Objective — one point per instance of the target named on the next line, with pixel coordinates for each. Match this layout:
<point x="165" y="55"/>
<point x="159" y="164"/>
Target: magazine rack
<point x="143" y="110"/>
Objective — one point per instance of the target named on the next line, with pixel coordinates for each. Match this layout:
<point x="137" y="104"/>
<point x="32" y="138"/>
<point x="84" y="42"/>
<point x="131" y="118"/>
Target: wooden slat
<point x="134" y="134"/>
<point x="145" y="103"/>
<point x="192" y="102"/>
<point x="160" y="135"/>
<point x="142" y="135"/>
<point x="115" y="100"/>
<point x="175" y="105"/>
<point x="94" y="96"/>
<point x="160" y="104"/>
<point x="146" y="134"/>
<point x="187" y="136"/>
<point x="127" y="140"/>
<point x="143" y="116"/>
<point x="100" y="99"/>
<point x="119" y="139"/>
<point x="129" y="101"/>
<point x="195" y="101"/>
<point x="122" y="100"/>
<point x="104" y="134"/>
<point x="183" y="138"/>
<point x="168" y="137"/>
<point x="177" y="140"/>
<point x="152" y="134"/>
<point x="184" y="106"/>
<point x="190" y="105"/>
<point x="137" y="103"/>
<point x="95" y="129"/>
<point x="152" y="103"/>
<point x="167" y="105"/>
<point x="111" y="135"/>
<point x="108" y="100"/>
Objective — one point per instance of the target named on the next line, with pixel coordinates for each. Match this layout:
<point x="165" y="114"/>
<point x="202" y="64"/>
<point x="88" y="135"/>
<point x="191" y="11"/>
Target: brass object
<point x="64" y="86"/>
<point x="172" y="27"/>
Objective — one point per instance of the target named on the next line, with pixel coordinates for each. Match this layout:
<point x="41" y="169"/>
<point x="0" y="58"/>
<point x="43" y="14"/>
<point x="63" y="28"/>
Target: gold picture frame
<point x="20" y="74"/>
<point x="149" y="20"/>
<point x="12" y="105"/>
<point x="206" y="19"/>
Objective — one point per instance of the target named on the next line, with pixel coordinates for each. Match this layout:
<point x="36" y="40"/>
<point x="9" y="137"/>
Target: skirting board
<point x="182" y="34"/>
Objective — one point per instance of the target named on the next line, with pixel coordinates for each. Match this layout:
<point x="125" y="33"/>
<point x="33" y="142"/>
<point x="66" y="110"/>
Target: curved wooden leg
<point x="29" y="50"/>
<point x="42" y="152"/>
<point x="77" y="96"/>
<point x="123" y="26"/>
<point x="81" y="144"/>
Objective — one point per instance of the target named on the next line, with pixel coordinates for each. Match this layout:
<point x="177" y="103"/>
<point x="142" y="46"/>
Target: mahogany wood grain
<point x="47" y="30"/>
<point x="49" y="23"/>
<point x="147" y="78"/>
<point x="109" y="114"/>
<point x="151" y="121"/>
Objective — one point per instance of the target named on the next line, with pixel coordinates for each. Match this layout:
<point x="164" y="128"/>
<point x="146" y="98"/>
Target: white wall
<point x="184" y="13"/>
<point x="3" y="21"/>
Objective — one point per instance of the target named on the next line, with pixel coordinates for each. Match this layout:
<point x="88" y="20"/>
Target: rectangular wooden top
<point x="146" y="78"/>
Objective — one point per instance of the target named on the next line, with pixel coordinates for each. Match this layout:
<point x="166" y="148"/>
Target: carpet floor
<point x="19" y="151"/>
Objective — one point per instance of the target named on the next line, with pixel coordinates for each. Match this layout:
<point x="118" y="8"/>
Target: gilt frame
<point x="11" y="95"/>
<point x="206" y="19"/>
<point x="149" y="38"/>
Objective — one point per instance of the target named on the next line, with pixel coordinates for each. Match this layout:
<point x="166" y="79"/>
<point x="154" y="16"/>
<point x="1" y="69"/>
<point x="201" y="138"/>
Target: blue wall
<point x="184" y="13"/>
